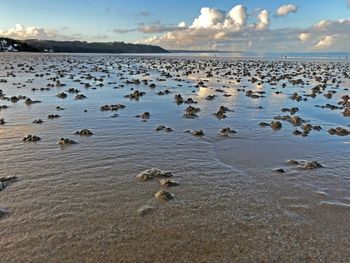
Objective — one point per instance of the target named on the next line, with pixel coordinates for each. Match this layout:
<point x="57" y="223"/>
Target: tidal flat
<point x="179" y="159"/>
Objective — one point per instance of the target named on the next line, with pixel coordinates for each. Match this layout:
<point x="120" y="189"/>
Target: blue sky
<point x="94" y="20"/>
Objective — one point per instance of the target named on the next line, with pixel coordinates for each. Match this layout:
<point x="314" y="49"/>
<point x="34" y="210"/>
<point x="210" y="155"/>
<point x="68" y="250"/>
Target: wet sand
<point x="79" y="202"/>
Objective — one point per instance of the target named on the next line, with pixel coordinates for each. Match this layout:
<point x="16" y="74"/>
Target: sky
<point x="252" y="25"/>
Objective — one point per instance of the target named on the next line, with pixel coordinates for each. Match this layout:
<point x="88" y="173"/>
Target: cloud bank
<point x="33" y="32"/>
<point x="22" y="32"/>
<point x="236" y="29"/>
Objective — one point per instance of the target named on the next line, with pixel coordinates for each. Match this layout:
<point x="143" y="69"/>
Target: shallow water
<point x="79" y="202"/>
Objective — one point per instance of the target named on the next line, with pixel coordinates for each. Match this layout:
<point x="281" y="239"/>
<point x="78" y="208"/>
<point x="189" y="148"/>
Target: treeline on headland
<point x="34" y="45"/>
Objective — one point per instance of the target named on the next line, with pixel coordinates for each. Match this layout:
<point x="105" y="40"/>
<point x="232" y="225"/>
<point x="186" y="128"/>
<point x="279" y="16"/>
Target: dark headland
<point x="34" y="45"/>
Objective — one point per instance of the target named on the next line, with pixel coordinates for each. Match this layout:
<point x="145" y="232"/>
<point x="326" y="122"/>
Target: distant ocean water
<point x="256" y="55"/>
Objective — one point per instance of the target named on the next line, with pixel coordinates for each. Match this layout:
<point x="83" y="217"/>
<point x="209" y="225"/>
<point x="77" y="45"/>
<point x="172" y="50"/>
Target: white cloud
<point x="214" y="28"/>
<point x="286" y="9"/>
<point x="211" y="23"/>
<point x="35" y="32"/>
<point x="264" y="20"/>
<point x="326" y="42"/>
<point x="208" y="18"/>
<point x="328" y="35"/>
<point x="332" y="35"/>
<point x="304" y="36"/>
<point x="338" y="26"/>
<point x="22" y="32"/>
<point x="237" y="17"/>
<point x="182" y="24"/>
<point x="211" y="18"/>
<point x="323" y="23"/>
<point x="156" y="27"/>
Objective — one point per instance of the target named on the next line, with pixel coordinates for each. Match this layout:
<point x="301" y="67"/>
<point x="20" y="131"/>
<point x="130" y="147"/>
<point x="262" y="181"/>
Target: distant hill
<point x="34" y="45"/>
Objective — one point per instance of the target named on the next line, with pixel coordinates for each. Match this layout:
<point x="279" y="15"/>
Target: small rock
<point x="312" y="165"/>
<point x="8" y="178"/>
<point x="279" y="170"/>
<point x="191" y="112"/>
<point x="80" y="97"/>
<point x="297" y="132"/>
<point x="339" y="131"/>
<point x="264" y="124"/>
<point x="163" y="128"/>
<point x="152" y="173"/>
<point x="5" y="181"/>
<point x="53" y="116"/>
<point x="168" y="129"/>
<point x="84" y="132"/>
<point x="31" y="138"/>
<point x="317" y="127"/>
<point x="163" y="196"/>
<point x="160" y="127"/>
<point x="62" y="95"/>
<point x="198" y="133"/>
<point x="66" y="141"/>
<point x="3" y="212"/>
<point x="38" y="121"/>
<point x="296" y="120"/>
<point x="292" y="162"/>
<point x="144" y="116"/>
<point x="276" y="125"/>
<point x="226" y="131"/>
<point x="168" y="182"/>
<point x="114" y="107"/>
<point x="145" y="209"/>
<point x="178" y="99"/>
<point x="28" y="101"/>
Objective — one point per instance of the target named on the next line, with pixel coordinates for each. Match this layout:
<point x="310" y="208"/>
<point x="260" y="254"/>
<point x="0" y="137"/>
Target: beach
<point x="274" y="187"/>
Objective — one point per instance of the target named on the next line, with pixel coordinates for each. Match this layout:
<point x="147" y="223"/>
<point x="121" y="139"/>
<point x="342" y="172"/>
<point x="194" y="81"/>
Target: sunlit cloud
<point x="22" y="32"/>
<point x="304" y="36"/>
<point x="36" y="32"/>
<point x="264" y="20"/>
<point x="325" y="42"/>
<point x="208" y="18"/>
<point x="286" y="9"/>
<point x="158" y="27"/>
